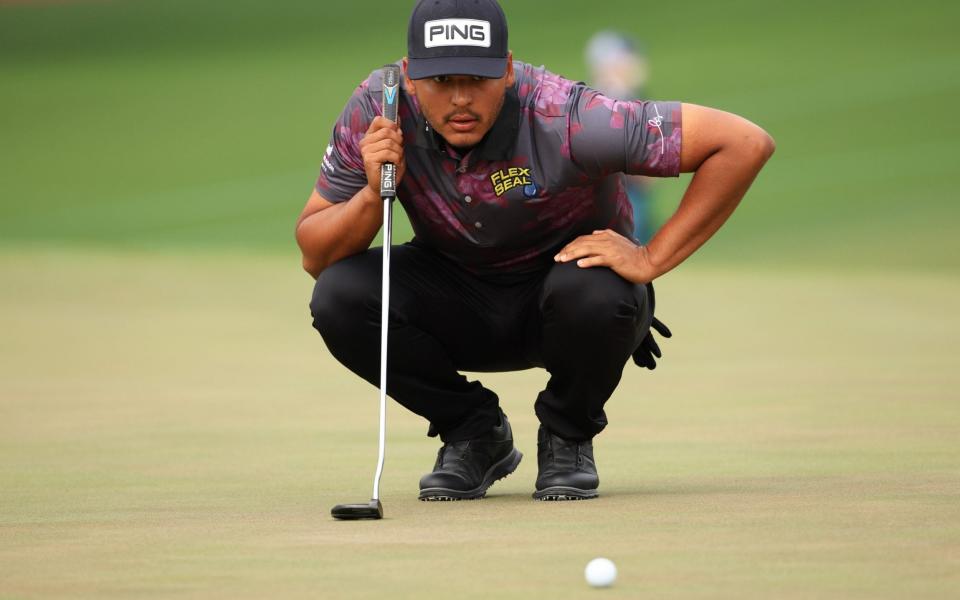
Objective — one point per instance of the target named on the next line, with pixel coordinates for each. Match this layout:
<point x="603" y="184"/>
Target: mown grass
<point x="171" y="426"/>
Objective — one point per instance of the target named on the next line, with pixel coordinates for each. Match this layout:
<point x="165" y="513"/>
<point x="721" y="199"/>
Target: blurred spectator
<point x="619" y="69"/>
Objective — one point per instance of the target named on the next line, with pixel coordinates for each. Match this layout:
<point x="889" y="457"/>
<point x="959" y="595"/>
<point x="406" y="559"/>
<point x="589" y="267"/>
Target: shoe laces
<point x="551" y="456"/>
<point x="463" y="447"/>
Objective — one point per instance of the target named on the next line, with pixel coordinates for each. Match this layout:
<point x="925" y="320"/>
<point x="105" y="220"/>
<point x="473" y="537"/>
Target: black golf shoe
<point x="464" y="470"/>
<point x="566" y="468"/>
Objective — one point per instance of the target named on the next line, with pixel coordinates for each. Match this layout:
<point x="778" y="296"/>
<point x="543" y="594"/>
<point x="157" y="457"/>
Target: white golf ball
<point x="600" y="572"/>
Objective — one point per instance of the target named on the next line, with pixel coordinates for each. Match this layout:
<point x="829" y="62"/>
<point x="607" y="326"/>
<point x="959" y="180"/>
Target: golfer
<point x="513" y="180"/>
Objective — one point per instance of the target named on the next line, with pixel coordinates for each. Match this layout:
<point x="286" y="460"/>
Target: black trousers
<point x="581" y="325"/>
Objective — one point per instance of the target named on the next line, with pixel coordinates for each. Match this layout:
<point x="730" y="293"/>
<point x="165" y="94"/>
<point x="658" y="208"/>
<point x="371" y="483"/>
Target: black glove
<point x="648" y="351"/>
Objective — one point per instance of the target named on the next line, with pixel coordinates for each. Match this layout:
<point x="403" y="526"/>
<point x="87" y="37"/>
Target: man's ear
<point x="408" y="83"/>
<point x="510" y="76"/>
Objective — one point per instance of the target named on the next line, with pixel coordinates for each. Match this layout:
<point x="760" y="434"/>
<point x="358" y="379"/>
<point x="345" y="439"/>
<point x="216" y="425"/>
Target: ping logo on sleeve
<point x="505" y="180"/>
<point x="456" y="32"/>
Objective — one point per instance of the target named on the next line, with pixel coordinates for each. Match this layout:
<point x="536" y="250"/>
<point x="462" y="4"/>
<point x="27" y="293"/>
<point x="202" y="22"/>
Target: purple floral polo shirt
<point x="550" y="169"/>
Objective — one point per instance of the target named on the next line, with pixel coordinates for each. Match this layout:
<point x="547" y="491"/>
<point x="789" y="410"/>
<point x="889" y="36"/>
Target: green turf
<point x="171" y="426"/>
<point x="174" y="428"/>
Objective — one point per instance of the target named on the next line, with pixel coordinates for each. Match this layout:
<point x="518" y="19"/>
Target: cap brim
<point x="422" y="68"/>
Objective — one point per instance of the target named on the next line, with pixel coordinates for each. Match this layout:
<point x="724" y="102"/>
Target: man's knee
<point x="343" y="295"/>
<point x="596" y="297"/>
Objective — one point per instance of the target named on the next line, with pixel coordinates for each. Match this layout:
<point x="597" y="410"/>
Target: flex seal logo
<point x="456" y="32"/>
<point x="505" y="180"/>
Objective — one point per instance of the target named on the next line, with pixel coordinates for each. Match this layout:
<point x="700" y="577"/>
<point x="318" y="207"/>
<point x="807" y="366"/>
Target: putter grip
<point x="391" y="99"/>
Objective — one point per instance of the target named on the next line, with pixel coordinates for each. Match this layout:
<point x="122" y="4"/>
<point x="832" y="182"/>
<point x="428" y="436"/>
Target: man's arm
<point x="328" y="232"/>
<point x="726" y="152"/>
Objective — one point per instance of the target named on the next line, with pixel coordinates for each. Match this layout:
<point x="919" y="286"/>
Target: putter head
<point x="354" y="512"/>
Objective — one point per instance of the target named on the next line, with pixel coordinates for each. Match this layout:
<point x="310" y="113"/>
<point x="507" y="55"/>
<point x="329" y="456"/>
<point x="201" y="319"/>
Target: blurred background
<point x="201" y="124"/>
<point x="169" y="423"/>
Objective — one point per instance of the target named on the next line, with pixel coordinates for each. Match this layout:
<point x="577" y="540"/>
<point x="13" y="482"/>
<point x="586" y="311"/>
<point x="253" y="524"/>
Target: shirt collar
<point x="498" y="144"/>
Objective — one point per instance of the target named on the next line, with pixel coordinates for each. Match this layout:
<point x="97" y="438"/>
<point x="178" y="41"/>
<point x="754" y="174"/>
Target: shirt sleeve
<point x="341" y="172"/>
<point x="637" y="137"/>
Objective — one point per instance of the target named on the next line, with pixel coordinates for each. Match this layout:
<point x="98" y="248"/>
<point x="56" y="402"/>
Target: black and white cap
<point x="457" y="37"/>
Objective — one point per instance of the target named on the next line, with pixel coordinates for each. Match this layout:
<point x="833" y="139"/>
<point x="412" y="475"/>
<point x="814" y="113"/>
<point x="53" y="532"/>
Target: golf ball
<point x="600" y="572"/>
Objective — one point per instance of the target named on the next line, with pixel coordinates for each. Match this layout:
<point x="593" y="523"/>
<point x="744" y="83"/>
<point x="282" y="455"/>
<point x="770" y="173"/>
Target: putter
<point x="388" y="191"/>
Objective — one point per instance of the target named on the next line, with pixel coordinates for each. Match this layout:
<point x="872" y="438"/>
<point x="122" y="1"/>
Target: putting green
<point x="170" y="425"/>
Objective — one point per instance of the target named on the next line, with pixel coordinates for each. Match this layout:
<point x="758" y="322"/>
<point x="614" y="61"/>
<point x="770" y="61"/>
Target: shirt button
<point x="467" y="199"/>
<point x="478" y="225"/>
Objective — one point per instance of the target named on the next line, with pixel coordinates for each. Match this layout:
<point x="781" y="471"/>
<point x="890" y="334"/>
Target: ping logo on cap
<point x="456" y="32"/>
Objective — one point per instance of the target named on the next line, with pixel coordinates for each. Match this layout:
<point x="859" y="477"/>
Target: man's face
<point x="461" y="108"/>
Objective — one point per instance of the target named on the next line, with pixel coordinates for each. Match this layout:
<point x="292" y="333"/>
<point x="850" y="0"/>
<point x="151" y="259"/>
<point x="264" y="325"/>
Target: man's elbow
<point x="760" y="145"/>
<point x="312" y="267"/>
<point x="769" y="146"/>
<point x="312" y="263"/>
